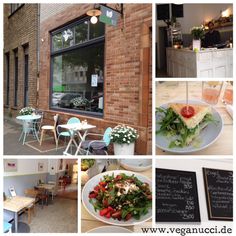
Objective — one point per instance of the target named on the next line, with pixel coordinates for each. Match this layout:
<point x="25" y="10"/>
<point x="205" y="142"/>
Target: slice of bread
<point x="192" y="122"/>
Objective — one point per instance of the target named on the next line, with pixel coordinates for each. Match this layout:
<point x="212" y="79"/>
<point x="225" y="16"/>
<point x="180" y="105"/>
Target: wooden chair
<point x="31" y="208"/>
<point x="52" y="128"/>
<point x="42" y="195"/>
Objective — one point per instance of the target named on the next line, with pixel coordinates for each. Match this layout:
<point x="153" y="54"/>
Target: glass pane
<point x="96" y="30"/>
<point x="81" y="32"/>
<point x="68" y="38"/>
<point x="78" y="79"/>
<point x="57" y="42"/>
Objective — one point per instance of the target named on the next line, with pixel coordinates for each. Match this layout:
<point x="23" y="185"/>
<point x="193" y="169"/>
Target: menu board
<point x="219" y="193"/>
<point x="176" y="196"/>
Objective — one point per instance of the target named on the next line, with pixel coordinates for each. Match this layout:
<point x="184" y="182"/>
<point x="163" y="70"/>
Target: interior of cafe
<point x="194" y="40"/>
<point x="40" y="195"/>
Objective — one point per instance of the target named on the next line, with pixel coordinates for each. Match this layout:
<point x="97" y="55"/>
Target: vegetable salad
<point x="121" y="197"/>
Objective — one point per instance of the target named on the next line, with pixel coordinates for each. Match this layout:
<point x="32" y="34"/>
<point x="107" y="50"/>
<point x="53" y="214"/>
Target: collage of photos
<point x="118" y="118"/>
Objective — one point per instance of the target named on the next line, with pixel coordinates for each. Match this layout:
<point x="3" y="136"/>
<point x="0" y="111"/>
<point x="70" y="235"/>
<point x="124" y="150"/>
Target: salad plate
<point x="206" y="137"/>
<point x="119" y="210"/>
<point x="110" y="229"/>
<point x="136" y="164"/>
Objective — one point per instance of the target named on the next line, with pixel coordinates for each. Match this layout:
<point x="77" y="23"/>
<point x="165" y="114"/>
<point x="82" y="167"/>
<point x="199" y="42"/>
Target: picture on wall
<point x="10" y="165"/>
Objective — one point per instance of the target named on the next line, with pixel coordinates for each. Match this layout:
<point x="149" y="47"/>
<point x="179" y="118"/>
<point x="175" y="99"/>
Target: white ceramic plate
<point x="89" y="186"/>
<point x="110" y="229"/>
<point x="207" y="136"/>
<point x="136" y="164"/>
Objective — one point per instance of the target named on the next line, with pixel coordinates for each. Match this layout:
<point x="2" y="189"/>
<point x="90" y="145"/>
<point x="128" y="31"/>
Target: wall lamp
<point x="95" y="12"/>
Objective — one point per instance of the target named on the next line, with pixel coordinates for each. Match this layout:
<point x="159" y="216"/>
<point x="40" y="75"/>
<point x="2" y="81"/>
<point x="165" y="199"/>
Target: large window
<point x="77" y="74"/>
<point x="26" y="76"/>
<point x="7" y="57"/>
<point x="16" y="77"/>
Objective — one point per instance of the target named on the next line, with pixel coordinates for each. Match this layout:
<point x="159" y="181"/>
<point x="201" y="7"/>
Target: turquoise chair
<point x="96" y="147"/>
<point x="7" y="227"/>
<point x="66" y="134"/>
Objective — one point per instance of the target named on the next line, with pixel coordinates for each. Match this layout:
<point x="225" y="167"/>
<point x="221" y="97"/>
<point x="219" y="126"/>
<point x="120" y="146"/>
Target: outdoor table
<point x="47" y="187"/>
<point x="27" y="121"/>
<point x="76" y="129"/>
<point x="177" y="91"/>
<point x="16" y="204"/>
<point x="88" y="222"/>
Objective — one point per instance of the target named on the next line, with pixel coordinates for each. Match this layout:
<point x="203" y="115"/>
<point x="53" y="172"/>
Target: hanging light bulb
<point x="93" y="19"/>
<point x="94" y="13"/>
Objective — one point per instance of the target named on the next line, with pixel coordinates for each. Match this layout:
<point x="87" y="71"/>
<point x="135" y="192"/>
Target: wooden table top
<point x="46" y="186"/>
<point x="88" y="222"/>
<point x="170" y="91"/>
<point x="17" y="203"/>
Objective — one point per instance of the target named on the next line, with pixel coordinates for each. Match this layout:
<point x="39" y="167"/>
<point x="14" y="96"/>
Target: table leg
<point x="16" y="222"/>
<point x="82" y="139"/>
<point x="21" y="135"/>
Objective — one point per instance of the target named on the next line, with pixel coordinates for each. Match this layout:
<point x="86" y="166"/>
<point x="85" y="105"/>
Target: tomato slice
<point x="187" y="111"/>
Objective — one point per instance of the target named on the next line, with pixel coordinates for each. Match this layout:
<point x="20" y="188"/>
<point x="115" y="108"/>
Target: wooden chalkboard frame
<point x="208" y="201"/>
<point x="197" y="218"/>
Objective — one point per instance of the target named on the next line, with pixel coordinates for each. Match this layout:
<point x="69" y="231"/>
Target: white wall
<point x="28" y="166"/>
<point x="196" y="166"/>
<point x="196" y="14"/>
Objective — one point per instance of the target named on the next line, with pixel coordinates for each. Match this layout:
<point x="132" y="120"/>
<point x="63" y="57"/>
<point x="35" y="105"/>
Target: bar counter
<point x="207" y="63"/>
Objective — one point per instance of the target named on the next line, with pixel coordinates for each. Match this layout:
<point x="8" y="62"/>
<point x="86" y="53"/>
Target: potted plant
<point x="123" y="138"/>
<point x="198" y="34"/>
<point x="26" y="111"/>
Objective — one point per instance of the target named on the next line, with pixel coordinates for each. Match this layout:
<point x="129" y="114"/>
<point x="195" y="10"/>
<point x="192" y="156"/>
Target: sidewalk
<point x="12" y="145"/>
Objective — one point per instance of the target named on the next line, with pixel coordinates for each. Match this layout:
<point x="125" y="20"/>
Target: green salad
<point x="121" y="197"/>
<point x="174" y="128"/>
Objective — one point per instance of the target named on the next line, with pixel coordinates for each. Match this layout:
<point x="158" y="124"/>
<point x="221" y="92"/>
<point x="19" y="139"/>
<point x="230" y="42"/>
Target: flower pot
<point x="196" y="44"/>
<point x="124" y="149"/>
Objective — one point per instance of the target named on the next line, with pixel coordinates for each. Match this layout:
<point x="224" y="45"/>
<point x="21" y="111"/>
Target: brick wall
<point x="19" y="29"/>
<point x="127" y="88"/>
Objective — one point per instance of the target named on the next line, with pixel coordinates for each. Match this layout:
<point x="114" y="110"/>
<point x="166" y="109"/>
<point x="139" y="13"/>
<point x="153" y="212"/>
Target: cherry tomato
<point x="187" y="111"/>
<point x="103" y="212"/>
<point x="108" y="215"/>
<point x="93" y="195"/>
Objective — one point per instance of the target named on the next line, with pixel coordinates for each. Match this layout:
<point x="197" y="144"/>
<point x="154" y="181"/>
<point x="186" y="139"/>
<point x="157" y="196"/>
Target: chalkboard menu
<point x="219" y="193"/>
<point x="176" y="196"/>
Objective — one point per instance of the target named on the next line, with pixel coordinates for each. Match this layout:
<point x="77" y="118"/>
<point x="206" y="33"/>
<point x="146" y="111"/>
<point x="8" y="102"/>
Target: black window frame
<point x="53" y="54"/>
<point x="7" y="70"/>
<point x="16" y="77"/>
<point x="26" y="76"/>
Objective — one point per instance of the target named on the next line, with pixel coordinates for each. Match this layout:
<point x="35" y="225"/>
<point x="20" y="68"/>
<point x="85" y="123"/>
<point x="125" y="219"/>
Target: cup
<point x="228" y="93"/>
<point x="211" y="91"/>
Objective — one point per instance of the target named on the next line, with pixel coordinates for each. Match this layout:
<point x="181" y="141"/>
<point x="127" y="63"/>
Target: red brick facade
<point x="20" y="29"/>
<point x="127" y="88"/>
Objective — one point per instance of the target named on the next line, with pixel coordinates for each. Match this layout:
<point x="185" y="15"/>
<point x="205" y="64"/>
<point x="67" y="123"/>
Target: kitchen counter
<point x="207" y="63"/>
